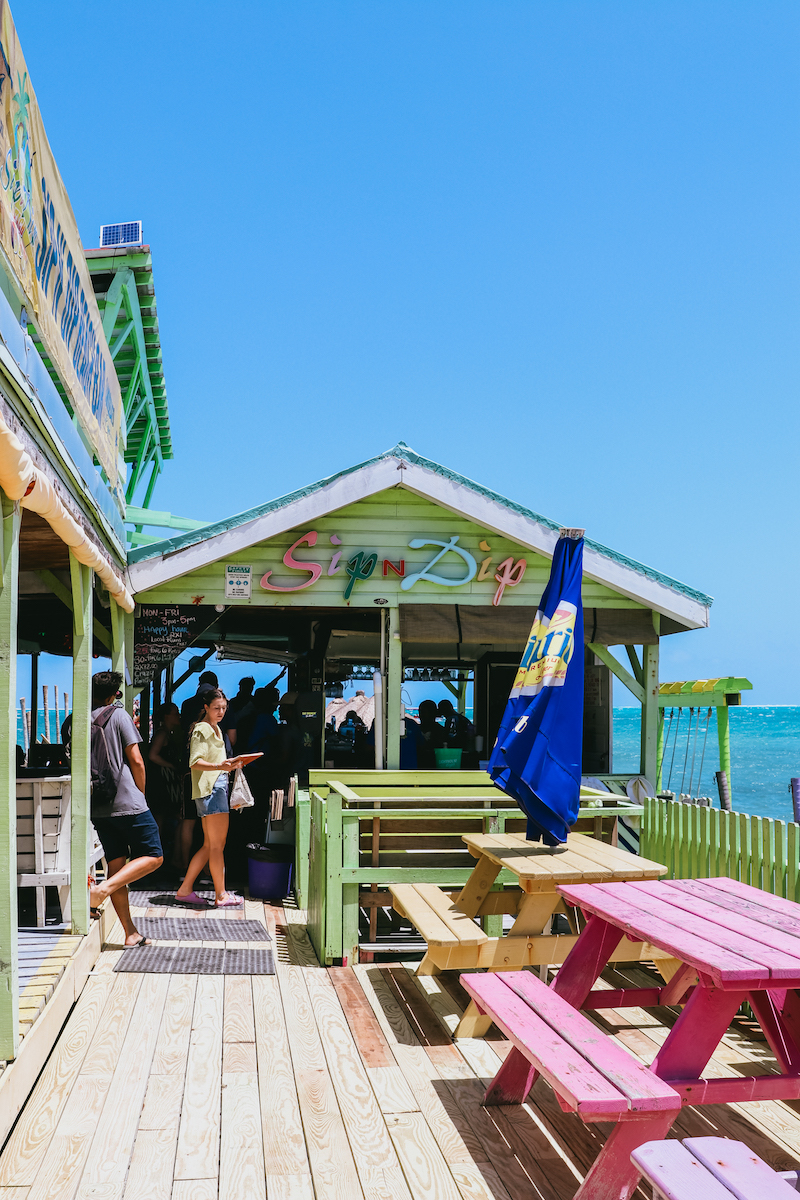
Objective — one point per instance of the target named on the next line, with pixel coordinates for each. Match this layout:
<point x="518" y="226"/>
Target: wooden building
<point x="82" y="418"/>
<point x="401" y="565"/>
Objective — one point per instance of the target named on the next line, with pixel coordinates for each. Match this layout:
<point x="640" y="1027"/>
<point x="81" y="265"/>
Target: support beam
<point x="9" y="955"/>
<point x="394" y="690"/>
<point x="616" y="668"/>
<point x="636" y="666"/>
<point x="114" y="301"/>
<point x="724" y="738"/>
<point x="65" y="596"/>
<point x="120" y="341"/>
<point x="650" y="712"/>
<point x="118" y="642"/>
<point x="80" y="759"/>
<point x="127" y="668"/>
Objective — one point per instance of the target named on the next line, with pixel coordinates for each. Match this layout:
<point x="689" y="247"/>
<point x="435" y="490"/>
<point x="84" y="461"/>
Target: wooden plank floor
<point x="341" y="1084"/>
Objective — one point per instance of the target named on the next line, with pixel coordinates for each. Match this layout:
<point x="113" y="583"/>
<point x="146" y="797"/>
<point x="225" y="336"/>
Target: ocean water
<point x="765" y="755"/>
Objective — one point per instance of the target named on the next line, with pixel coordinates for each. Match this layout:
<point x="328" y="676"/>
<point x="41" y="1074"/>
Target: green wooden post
<point x="317" y="875"/>
<point x="81" y="578"/>
<point x="350" y="911"/>
<point x="649" y="755"/>
<point x="302" y="847"/>
<point x="394" y="688"/>
<point x="724" y="737"/>
<point x="127" y="641"/>
<point x="9" y="968"/>
<point x="333" y="878"/>
<point x="659" y="780"/>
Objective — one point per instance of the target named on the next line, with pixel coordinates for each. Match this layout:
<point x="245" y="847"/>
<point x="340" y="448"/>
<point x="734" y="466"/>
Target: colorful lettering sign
<point x="362" y="564"/>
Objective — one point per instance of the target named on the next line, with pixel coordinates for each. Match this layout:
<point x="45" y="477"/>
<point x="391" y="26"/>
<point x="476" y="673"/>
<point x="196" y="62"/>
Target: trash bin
<point x="448" y="760"/>
<point x="269" y="871"/>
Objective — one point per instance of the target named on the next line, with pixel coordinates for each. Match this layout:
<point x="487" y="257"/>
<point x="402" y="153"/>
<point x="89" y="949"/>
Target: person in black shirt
<point x="458" y="729"/>
<point x="191" y="708"/>
<point x="431" y="736"/>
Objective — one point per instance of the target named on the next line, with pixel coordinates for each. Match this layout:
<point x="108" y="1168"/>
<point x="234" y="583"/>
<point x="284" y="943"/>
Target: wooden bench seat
<point x="435" y="915"/>
<point x="590" y="1073"/>
<point x="712" y="1168"/>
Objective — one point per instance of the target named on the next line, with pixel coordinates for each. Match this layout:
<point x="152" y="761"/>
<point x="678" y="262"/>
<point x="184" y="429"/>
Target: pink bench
<point x="590" y="1074"/>
<point x="711" y="1168"/>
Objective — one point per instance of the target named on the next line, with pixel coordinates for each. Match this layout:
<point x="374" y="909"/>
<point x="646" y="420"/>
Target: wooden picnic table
<point x="455" y="941"/>
<point x="730" y="943"/>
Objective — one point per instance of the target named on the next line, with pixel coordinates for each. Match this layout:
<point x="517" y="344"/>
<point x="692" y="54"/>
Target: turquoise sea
<point x="765" y="755"/>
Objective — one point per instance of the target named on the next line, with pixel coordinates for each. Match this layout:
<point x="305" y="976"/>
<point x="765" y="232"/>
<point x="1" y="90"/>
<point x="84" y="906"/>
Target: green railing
<point x="695" y="842"/>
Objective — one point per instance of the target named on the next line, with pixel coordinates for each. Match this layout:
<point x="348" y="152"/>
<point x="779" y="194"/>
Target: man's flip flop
<point x="230" y="902"/>
<point x="95" y="914"/>
<point x="143" y="941"/>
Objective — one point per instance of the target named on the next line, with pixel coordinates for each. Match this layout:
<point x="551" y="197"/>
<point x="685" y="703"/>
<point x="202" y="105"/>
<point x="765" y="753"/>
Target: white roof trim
<point x="457" y="497"/>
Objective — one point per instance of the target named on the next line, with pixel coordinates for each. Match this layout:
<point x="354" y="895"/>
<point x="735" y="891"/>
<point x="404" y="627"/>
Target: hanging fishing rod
<point x="686" y="756"/>
<point x="694" y="750"/>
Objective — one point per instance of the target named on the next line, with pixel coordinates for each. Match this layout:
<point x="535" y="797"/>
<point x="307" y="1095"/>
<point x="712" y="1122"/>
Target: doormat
<point x="147" y="899"/>
<point x="200" y="929"/>
<point x="195" y="960"/>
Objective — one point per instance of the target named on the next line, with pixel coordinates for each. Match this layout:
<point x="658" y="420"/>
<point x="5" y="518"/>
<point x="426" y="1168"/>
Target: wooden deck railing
<point x="695" y="842"/>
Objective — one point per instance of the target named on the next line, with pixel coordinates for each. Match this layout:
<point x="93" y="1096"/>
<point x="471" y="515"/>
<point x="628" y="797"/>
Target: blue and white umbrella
<point x="537" y="755"/>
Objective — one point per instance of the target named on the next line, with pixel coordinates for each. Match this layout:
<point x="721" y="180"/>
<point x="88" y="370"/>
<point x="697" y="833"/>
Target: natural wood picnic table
<point x="730" y="943"/>
<point x="455" y="941"/>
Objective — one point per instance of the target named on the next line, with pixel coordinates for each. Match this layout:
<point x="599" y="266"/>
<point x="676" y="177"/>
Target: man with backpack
<point x="126" y="827"/>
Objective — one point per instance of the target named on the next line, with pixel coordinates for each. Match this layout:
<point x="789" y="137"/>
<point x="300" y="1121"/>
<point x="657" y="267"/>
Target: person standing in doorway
<point x="127" y="829"/>
<point x="210" y="762"/>
<point x="191" y="710"/>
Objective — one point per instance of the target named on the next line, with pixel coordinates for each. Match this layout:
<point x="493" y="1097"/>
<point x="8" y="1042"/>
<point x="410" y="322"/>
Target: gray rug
<point x="201" y="929"/>
<point x="195" y="960"/>
<point x="162" y="899"/>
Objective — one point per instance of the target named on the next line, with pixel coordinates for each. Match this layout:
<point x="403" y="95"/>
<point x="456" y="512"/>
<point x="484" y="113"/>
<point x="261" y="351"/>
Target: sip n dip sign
<point x="363" y="564"/>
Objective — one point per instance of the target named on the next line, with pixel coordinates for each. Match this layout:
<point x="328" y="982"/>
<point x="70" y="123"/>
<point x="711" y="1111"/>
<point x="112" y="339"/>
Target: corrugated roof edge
<point x="401" y="450"/>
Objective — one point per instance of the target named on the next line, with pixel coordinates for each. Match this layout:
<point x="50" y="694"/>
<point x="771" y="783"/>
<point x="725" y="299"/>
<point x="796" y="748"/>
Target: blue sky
<point x="553" y="245"/>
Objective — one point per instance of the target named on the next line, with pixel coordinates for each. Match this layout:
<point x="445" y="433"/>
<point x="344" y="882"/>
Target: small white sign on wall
<point x="237" y="582"/>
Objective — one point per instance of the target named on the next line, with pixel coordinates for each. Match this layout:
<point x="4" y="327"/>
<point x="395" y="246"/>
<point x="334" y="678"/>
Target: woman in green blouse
<point x="210" y="764"/>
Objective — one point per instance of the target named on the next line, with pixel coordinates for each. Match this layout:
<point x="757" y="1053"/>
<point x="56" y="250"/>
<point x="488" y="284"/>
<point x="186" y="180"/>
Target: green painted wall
<point x="384" y="525"/>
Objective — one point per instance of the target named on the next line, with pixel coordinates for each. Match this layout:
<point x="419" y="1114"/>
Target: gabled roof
<point x="159" y="562"/>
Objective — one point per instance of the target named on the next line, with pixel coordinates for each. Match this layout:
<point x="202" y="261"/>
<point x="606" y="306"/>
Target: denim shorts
<point x="217" y="802"/>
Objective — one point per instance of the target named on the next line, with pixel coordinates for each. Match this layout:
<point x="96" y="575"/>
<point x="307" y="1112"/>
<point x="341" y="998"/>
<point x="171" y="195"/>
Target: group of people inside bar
<point x="438" y="727"/>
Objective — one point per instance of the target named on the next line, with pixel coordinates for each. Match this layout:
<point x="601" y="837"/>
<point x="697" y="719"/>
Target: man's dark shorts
<point x="132" y="836"/>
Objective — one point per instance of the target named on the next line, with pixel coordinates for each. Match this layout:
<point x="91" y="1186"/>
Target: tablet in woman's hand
<point x="244" y="759"/>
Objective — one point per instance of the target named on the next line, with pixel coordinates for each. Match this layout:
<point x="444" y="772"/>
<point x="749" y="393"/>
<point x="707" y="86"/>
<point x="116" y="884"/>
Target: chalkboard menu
<point x="162" y="632"/>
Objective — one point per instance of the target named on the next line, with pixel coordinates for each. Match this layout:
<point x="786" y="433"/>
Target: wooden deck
<point x="340" y="1083"/>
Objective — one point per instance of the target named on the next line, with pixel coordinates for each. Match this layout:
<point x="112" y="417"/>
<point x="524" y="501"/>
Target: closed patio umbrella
<point x="537" y="755"/>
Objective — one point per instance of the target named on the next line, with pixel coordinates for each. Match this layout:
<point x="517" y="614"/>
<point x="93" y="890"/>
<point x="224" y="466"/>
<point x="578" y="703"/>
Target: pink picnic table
<point x="730" y="943"/>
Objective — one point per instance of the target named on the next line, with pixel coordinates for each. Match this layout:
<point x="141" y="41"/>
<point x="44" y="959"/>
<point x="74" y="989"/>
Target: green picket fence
<point x="695" y="842"/>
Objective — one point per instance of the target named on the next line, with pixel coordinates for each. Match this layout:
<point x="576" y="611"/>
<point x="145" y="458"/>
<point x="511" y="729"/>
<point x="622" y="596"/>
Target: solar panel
<point x="126" y="233"/>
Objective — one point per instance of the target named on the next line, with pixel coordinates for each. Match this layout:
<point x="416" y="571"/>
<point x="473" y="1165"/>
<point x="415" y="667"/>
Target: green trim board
<point x="402" y="471"/>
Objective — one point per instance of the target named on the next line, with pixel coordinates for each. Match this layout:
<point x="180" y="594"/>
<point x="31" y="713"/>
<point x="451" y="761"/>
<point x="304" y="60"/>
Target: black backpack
<point x="104" y="779"/>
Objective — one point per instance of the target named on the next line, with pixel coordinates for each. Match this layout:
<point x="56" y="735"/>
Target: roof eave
<point x="160" y="562"/>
